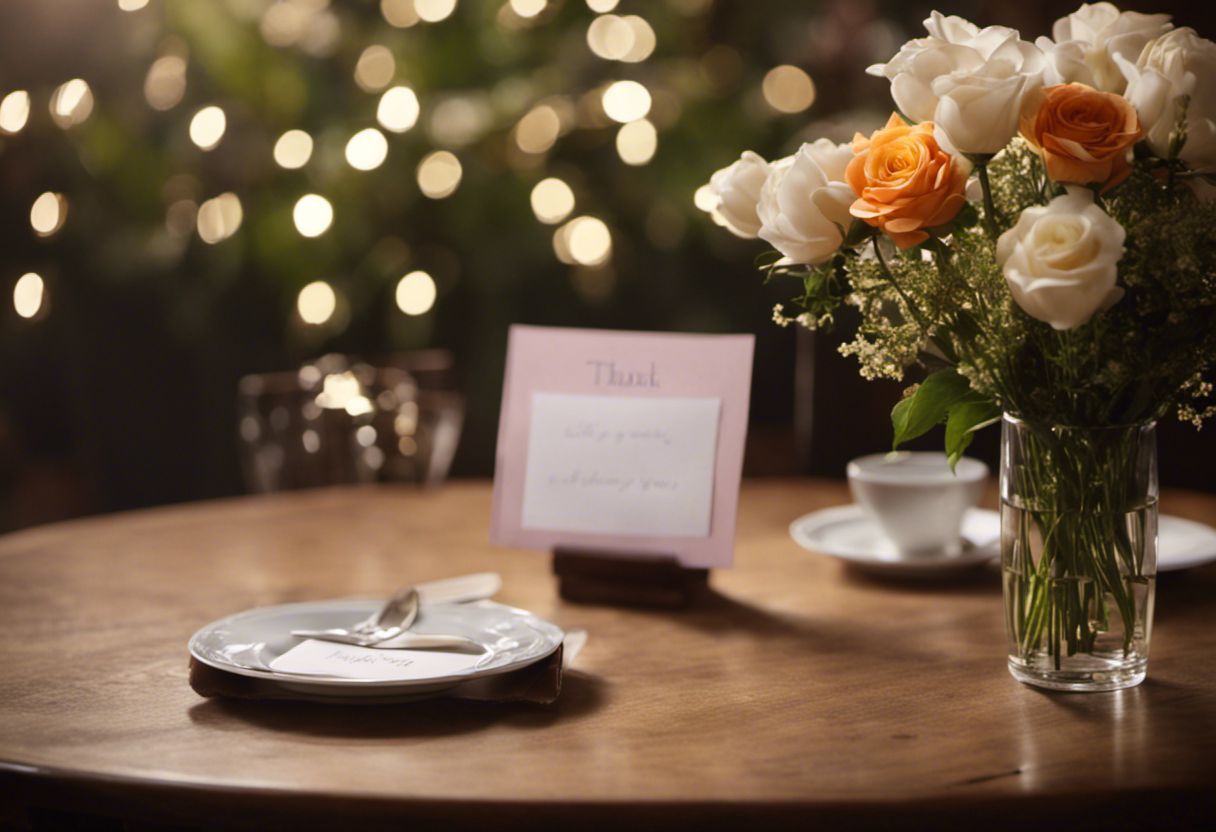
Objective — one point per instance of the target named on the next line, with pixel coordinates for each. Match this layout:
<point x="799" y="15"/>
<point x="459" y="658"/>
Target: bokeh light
<point x="552" y="200"/>
<point x="439" y="174"/>
<point x="165" y="83"/>
<point x="14" y="111"/>
<point x="399" y="13"/>
<point x="293" y="149"/>
<point x="219" y="218"/>
<point x="29" y="294"/>
<point x="416" y="293"/>
<point x="313" y="214"/>
<point x="788" y="89"/>
<point x="538" y="130"/>
<point x="375" y="68"/>
<point x="316" y="303"/>
<point x="602" y="6"/>
<point x="626" y="101"/>
<point x="367" y="149"/>
<point x="433" y="11"/>
<point x="207" y="127"/>
<point x="398" y="109"/>
<point x="48" y="213"/>
<point x="71" y="103"/>
<point x="636" y="142"/>
<point x="132" y="5"/>
<point x="528" y="8"/>
<point x="643" y="39"/>
<point x="585" y="241"/>
<point x="610" y="37"/>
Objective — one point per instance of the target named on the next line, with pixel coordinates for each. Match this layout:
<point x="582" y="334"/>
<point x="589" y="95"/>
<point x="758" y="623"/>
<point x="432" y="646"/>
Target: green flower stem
<point x="981" y="168"/>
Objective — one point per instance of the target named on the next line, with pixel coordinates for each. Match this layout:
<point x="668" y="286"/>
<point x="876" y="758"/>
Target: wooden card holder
<point x="653" y="581"/>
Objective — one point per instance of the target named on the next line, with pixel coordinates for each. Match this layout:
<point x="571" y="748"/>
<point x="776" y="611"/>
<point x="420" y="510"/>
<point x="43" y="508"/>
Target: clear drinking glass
<point x="1078" y="552"/>
<point x="338" y="421"/>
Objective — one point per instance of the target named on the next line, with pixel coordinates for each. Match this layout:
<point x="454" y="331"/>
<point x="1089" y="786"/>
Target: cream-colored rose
<point x="968" y="81"/>
<point x="737" y="188"/>
<point x="1061" y="260"/>
<point x="1088" y="41"/>
<point x="804" y="205"/>
<point x="1174" y="65"/>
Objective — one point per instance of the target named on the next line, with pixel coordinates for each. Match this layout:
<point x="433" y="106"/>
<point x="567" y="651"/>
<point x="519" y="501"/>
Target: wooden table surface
<point x="800" y="691"/>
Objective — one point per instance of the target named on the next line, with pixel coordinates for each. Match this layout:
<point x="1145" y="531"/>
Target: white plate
<point x="845" y="532"/>
<point x="246" y="644"/>
<point x="1182" y="543"/>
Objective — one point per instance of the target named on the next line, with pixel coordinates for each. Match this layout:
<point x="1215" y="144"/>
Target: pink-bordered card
<point x="622" y="442"/>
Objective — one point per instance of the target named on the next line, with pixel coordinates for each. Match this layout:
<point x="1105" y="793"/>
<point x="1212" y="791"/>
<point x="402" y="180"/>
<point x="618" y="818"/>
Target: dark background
<point x="122" y="393"/>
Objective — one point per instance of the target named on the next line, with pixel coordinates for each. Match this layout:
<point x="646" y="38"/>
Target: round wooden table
<point x="800" y="692"/>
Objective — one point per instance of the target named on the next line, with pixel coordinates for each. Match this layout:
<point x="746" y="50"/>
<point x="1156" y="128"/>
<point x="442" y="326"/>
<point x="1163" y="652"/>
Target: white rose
<point x="1060" y="260"/>
<point x="737" y="188"/>
<point x="968" y="81"/>
<point x="804" y="205"/>
<point x="1089" y="41"/>
<point x="1176" y="64"/>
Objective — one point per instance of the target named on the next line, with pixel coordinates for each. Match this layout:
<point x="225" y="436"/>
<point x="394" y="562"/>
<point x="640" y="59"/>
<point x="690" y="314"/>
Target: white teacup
<point x="916" y="500"/>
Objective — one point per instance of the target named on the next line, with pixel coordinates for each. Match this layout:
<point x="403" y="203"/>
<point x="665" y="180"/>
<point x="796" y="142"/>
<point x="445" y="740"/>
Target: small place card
<point x="327" y="658"/>
<point x="623" y="442"/>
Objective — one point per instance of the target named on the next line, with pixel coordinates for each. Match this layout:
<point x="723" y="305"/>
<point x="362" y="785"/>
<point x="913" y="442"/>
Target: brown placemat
<point x="539" y="683"/>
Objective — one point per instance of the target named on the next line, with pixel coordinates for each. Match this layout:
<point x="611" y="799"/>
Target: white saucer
<point x="247" y="643"/>
<point x="1183" y="543"/>
<point x="845" y="532"/>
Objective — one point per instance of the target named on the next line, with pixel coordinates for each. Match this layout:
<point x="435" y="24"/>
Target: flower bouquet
<point x="1036" y="230"/>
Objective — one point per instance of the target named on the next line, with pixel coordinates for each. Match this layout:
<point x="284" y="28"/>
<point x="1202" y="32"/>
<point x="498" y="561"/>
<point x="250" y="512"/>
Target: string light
<point x="626" y="101"/>
<point x="416" y="293"/>
<point x="71" y="103"/>
<point x="584" y="241"/>
<point x="528" y="8"/>
<point x="316" y="303"/>
<point x="399" y="13"/>
<point x="375" y="68"/>
<point x="219" y="218"/>
<point x="48" y="213"/>
<point x="552" y="200"/>
<point x="644" y="40"/>
<point x="433" y="11"/>
<point x="367" y="149"/>
<point x="398" y="109"/>
<point x="293" y="149"/>
<point x="165" y="83"/>
<point x="313" y="214"/>
<point x="207" y="127"/>
<point x="538" y="130"/>
<point x="14" y="111"/>
<point x="636" y="142"/>
<point x="29" y="294"/>
<point x="439" y="174"/>
<point x="610" y="37"/>
<point x="788" y="89"/>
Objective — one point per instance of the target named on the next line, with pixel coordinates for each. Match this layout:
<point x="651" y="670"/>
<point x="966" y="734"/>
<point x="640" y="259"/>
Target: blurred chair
<point x="337" y="420"/>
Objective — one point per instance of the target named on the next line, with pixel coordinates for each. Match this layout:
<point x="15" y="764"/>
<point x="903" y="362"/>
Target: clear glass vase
<point x="1078" y="552"/>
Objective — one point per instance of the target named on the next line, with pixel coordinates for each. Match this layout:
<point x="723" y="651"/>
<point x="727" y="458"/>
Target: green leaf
<point x="917" y="414"/>
<point x="965" y="418"/>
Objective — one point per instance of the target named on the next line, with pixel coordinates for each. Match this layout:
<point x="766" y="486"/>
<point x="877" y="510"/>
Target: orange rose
<point x="905" y="182"/>
<point x="1082" y="134"/>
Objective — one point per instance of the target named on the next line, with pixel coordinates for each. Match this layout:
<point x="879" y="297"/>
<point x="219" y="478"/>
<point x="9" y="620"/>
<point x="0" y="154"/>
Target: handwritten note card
<point x="623" y="442"/>
<point x="326" y="658"/>
<point x="621" y="464"/>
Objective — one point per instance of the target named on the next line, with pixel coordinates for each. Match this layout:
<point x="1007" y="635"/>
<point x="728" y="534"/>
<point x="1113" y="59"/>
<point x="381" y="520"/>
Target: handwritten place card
<point x="622" y="442"/>
<point x="327" y="658"/>
<point x="621" y="464"/>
